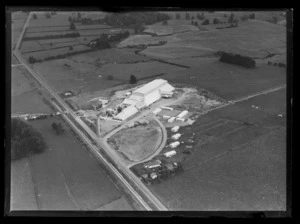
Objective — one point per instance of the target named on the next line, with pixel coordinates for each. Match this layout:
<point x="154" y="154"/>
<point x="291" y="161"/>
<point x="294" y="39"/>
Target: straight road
<point x="146" y="192"/>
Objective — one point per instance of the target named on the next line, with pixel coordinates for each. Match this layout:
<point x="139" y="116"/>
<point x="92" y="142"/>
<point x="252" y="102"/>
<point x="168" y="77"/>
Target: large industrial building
<point x="143" y="97"/>
<point x="149" y="93"/>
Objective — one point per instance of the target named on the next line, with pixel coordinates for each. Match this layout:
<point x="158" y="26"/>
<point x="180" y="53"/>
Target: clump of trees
<point x="133" y="79"/>
<point x="252" y="16"/>
<point x="200" y="17"/>
<point x="72" y="26"/>
<point x="104" y="41"/>
<point x="132" y="19"/>
<point x="110" y="77"/>
<point x="33" y="60"/>
<point x="216" y="21"/>
<point x="187" y="16"/>
<point x="47" y="15"/>
<point x="237" y="59"/>
<point x="25" y="140"/>
<point x="58" y="128"/>
<point x="195" y="23"/>
<point x="244" y="18"/>
<point x="205" y="22"/>
<point x="280" y="64"/>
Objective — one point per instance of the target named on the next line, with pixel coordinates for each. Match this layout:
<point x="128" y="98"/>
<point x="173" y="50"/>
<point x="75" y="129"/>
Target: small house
<point x="153" y="175"/>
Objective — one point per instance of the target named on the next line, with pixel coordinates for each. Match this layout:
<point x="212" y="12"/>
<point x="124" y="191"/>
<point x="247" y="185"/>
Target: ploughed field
<point x="237" y="162"/>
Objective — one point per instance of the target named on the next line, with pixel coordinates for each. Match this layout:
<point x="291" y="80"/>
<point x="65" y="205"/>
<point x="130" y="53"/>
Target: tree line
<point x="25" y="140"/>
<point x="237" y="59"/>
<point x="67" y="35"/>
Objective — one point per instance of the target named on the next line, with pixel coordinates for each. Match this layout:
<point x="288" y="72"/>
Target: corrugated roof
<point x="151" y="86"/>
<point x="127" y="112"/>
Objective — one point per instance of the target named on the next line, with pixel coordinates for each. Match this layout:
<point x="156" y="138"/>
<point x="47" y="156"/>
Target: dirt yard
<point x="139" y="142"/>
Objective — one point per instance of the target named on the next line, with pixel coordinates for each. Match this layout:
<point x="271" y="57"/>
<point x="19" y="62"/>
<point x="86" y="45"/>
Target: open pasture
<point x="16" y="27"/>
<point x="61" y="19"/>
<point x="42" y="34"/>
<point x="256" y="38"/>
<point x="226" y="80"/>
<point x="79" y="76"/>
<point x="32" y="45"/>
<point x="105" y="56"/>
<point x="145" y="39"/>
<point x="238" y="165"/>
<point x="61" y="44"/>
<point x="54" y="52"/>
<point x="173" y="26"/>
<point x="66" y="176"/>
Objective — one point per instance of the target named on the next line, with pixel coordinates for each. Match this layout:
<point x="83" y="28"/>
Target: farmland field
<point x="227" y="169"/>
<point x="25" y="97"/>
<point x="255" y="38"/>
<point x="173" y="26"/>
<point x="109" y="56"/>
<point x="228" y="81"/>
<point x="61" y="19"/>
<point x="66" y="177"/>
<point x="85" y="76"/>
<point x="54" y="52"/>
<point x="27" y="46"/>
<point x="22" y="193"/>
<point x="18" y="20"/>
<point x="42" y="34"/>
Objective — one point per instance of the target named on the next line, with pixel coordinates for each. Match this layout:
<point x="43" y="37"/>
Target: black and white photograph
<point x="177" y="110"/>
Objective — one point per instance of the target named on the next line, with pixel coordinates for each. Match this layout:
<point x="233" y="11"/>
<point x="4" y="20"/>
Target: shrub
<point x="47" y="15"/>
<point x="177" y="15"/>
<point x="281" y="64"/>
<point x="205" y="22"/>
<point x="231" y="17"/>
<point x="252" y="16"/>
<point x="187" y="16"/>
<point x="72" y="26"/>
<point x="133" y="79"/>
<point x="110" y="77"/>
<point x="34" y="16"/>
<point x="25" y="140"/>
<point x="165" y="22"/>
<point x="216" y="21"/>
<point x="269" y="63"/>
<point x="71" y="48"/>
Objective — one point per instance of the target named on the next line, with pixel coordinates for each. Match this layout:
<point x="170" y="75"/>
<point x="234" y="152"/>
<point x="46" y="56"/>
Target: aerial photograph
<point x="165" y="110"/>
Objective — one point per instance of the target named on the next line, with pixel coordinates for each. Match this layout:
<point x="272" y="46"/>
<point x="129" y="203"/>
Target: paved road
<point x="148" y="194"/>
